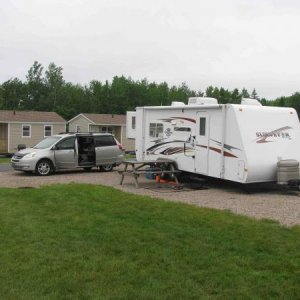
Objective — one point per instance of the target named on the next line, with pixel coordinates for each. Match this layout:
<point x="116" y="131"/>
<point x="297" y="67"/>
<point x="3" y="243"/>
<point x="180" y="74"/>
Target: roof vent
<point x="249" y="101"/>
<point x="202" y="101"/>
<point x="177" y="103"/>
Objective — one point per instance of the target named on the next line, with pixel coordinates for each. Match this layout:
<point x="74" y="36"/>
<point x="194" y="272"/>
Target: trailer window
<point x="202" y="126"/>
<point x="133" y="122"/>
<point x="156" y="130"/>
<point x="182" y="129"/>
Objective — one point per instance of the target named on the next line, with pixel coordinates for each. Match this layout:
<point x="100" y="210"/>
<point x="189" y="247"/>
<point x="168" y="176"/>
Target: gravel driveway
<point x="269" y="204"/>
<point x="5" y="167"/>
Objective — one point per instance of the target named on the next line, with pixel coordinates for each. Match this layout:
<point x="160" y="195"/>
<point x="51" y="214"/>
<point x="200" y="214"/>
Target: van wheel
<point x="44" y="167"/>
<point x="107" y="168"/>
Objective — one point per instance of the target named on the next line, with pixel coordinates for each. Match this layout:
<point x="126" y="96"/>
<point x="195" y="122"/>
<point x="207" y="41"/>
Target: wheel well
<point x="48" y="159"/>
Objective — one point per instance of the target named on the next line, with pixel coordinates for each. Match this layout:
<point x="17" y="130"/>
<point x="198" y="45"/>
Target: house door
<point x="3" y="138"/>
<point x="202" y="143"/>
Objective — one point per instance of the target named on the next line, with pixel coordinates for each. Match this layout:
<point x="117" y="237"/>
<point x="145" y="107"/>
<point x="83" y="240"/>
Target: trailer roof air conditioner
<point x="202" y="101"/>
<point x="249" y="101"/>
<point x="177" y="103"/>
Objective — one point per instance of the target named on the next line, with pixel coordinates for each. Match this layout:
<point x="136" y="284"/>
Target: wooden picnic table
<point x="156" y="167"/>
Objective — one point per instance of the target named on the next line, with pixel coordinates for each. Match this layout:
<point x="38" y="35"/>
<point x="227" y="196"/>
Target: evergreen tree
<point x="116" y="97"/>
<point x="236" y="97"/>
<point x="245" y="93"/>
<point x="2" y="105"/>
<point x="209" y="91"/>
<point x="13" y="93"/>
<point x="254" y="95"/>
<point x="54" y="81"/>
<point x="35" y="87"/>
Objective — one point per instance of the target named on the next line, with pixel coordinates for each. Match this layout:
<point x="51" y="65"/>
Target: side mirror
<point x="54" y="147"/>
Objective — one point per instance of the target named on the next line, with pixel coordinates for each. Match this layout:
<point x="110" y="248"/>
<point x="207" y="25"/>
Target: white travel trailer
<point x="241" y="143"/>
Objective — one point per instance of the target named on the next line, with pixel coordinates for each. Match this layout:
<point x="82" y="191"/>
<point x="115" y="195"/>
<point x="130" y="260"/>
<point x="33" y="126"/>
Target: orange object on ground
<point x="160" y="180"/>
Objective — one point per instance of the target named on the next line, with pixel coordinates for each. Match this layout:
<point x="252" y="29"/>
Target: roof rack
<point x="85" y="133"/>
<point x="64" y="132"/>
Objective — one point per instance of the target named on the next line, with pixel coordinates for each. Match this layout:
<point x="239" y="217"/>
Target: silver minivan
<point x="69" y="151"/>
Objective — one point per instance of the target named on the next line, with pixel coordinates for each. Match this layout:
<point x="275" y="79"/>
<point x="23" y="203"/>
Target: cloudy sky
<point x="229" y="43"/>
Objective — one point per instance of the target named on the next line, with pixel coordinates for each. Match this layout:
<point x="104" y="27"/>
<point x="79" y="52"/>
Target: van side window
<point x="105" y="140"/>
<point x="66" y="144"/>
<point x="202" y="126"/>
<point x="156" y="130"/>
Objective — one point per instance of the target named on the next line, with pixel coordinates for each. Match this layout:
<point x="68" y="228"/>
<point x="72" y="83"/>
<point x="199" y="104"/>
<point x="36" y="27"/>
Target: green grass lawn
<point x="91" y="242"/>
<point x="4" y="160"/>
<point x="129" y="156"/>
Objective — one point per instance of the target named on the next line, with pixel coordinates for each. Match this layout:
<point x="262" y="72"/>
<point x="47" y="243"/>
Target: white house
<point x="110" y="123"/>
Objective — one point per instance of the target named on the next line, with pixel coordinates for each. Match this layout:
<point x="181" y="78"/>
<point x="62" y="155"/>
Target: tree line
<point x="48" y="91"/>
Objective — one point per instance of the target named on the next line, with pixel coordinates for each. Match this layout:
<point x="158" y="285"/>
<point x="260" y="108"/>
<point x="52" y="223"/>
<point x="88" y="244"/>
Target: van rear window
<point x="105" y="140"/>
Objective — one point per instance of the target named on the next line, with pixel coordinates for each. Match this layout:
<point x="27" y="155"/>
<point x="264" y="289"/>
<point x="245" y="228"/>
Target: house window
<point x="156" y="130"/>
<point x="48" y="130"/>
<point x="106" y="129"/>
<point x="77" y="128"/>
<point x="26" y="130"/>
<point x="202" y="126"/>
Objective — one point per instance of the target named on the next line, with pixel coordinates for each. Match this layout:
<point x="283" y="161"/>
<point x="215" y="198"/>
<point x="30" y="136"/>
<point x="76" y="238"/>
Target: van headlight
<point x="30" y="155"/>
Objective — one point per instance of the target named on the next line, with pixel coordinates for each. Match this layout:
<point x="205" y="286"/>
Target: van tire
<point x="107" y="167"/>
<point x="44" y="167"/>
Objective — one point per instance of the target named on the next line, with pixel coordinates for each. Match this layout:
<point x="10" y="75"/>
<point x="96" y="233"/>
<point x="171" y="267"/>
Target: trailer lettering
<point x="263" y="137"/>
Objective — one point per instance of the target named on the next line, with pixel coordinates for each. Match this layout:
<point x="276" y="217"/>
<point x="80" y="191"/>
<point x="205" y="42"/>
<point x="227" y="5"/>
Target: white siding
<point x="82" y="122"/>
<point x="37" y="134"/>
<point x="128" y="144"/>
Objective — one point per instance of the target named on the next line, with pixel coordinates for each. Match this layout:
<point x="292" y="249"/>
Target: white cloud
<point x="225" y="43"/>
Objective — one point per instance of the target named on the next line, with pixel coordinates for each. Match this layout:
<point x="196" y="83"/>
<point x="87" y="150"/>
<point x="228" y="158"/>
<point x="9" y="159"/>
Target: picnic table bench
<point x="158" y="167"/>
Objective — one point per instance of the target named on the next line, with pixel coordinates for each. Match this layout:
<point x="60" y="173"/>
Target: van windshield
<point x="47" y="142"/>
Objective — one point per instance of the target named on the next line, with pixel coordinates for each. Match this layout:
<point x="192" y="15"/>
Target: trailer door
<point x="202" y="143"/>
